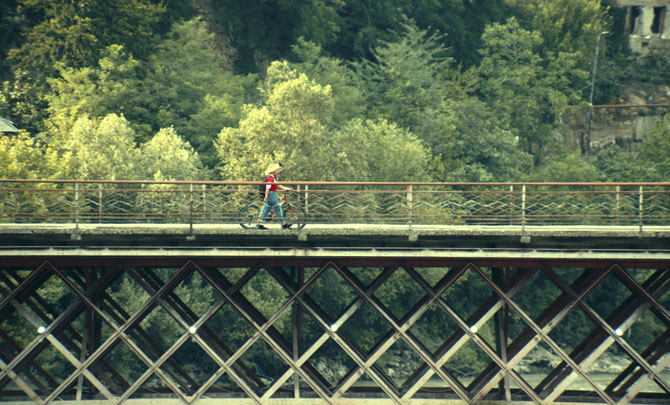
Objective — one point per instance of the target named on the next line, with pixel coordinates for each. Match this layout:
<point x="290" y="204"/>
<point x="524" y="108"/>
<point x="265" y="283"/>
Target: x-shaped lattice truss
<point x="77" y="333"/>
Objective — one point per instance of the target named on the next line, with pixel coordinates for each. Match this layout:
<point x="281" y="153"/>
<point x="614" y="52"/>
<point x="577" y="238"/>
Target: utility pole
<point x="587" y="142"/>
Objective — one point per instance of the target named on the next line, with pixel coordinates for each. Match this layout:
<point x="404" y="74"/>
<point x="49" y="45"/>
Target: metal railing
<point x="205" y="202"/>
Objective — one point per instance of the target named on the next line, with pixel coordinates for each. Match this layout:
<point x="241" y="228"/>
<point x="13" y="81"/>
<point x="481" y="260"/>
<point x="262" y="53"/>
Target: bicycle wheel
<point x="248" y="216"/>
<point x="296" y="215"/>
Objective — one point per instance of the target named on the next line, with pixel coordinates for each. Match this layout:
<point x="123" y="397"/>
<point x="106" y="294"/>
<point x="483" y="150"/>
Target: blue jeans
<point x="272" y="204"/>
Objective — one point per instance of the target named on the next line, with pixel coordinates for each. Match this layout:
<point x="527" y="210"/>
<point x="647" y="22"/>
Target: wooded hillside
<point x="460" y="90"/>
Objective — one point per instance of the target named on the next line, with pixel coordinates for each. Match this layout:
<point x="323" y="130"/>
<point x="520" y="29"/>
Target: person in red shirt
<point x="270" y="200"/>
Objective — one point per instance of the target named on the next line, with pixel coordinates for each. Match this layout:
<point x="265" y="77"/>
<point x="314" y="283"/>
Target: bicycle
<point x="248" y="215"/>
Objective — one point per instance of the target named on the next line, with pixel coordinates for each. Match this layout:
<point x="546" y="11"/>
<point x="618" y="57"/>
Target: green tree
<point x="413" y="84"/>
<point x="649" y="162"/>
<point x="294" y="125"/>
<point x="565" y="168"/>
<point x="186" y="84"/>
<point x="74" y="34"/>
<point x="190" y="85"/>
<point x="348" y="98"/>
<point x="616" y="164"/>
<point x="290" y="126"/>
<point x="265" y="30"/>
<point x="470" y="143"/>
<point x="366" y="24"/>
<point x="408" y="77"/>
<point x="570" y="26"/>
<point x="654" y="151"/>
<point x="24" y="101"/>
<point x="529" y="93"/>
<point x="9" y="33"/>
<point x="114" y="87"/>
<point x="378" y="150"/>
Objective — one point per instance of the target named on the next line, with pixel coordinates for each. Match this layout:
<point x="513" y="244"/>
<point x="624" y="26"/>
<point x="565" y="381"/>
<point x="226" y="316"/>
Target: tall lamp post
<point x="587" y="143"/>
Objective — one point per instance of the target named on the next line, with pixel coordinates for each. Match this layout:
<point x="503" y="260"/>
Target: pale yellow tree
<point x="97" y="150"/>
<point x="166" y="156"/>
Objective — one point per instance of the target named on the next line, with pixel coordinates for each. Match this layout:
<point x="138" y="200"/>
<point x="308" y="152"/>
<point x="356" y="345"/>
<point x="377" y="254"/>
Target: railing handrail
<point x="343" y="183"/>
<point x="198" y="201"/>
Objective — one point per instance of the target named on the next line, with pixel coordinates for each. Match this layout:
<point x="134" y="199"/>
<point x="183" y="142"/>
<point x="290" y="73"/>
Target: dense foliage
<point x="479" y="89"/>
<point x="456" y="90"/>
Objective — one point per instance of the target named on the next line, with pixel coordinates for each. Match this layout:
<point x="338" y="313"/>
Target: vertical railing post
<point x="523" y="208"/>
<point x="410" y="204"/>
<point x="204" y="201"/>
<point x="76" y="205"/>
<point x="99" y="202"/>
<point x="306" y="206"/>
<point x="641" y="207"/>
<point x="190" y="209"/>
<point x="511" y="204"/>
<point x="618" y="204"/>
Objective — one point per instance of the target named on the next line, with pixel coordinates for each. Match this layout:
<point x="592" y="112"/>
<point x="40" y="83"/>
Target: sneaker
<point x="260" y="227"/>
<point x="286" y="226"/>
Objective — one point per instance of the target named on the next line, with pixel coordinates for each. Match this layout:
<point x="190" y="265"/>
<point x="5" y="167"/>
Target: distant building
<point x="7" y="127"/>
<point x="647" y="24"/>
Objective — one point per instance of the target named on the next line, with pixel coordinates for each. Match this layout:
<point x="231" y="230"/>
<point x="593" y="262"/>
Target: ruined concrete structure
<point x="648" y="24"/>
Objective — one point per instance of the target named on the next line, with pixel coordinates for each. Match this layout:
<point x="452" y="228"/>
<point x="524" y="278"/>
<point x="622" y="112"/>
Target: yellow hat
<point x="273" y="167"/>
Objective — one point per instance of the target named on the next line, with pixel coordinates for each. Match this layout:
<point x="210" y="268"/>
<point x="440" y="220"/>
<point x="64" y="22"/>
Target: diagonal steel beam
<point x="661" y="365"/>
<point x="550" y="317"/>
<point x="32" y="277"/>
<point x="46" y="319"/>
<point x="151" y="285"/>
<point x="11" y="344"/>
<point x="21" y="384"/>
<point x="623" y="315"/>
<point x="120" y="331"/>
<point x="662" y="313"/>
<point x="460" y="337"/>
<point x="613" y="337"/>
<point x="69" y="356"/>
<point x="214" y="353"/>
<point x="505" y="369"/>
<point x="538" y="330"/>
<point x="416" y="347"/>
<point x="330" y="330"/>
<point x="413" y="315"/>
<point x="632" y="373"/>
<point x="334" y="325"/>
<point x="217" y="346"/>
<point x="119" y="315"/>
<point x="187" y="324"/>
<point x="261" y="330"/>
<point x="67" y="314"/>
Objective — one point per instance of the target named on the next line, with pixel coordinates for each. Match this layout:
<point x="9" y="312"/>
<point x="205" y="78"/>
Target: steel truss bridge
<point x="131" y="292"/>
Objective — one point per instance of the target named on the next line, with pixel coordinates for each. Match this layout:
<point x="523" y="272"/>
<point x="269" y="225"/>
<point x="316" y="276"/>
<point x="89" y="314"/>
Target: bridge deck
<point x="582" y="237"/>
